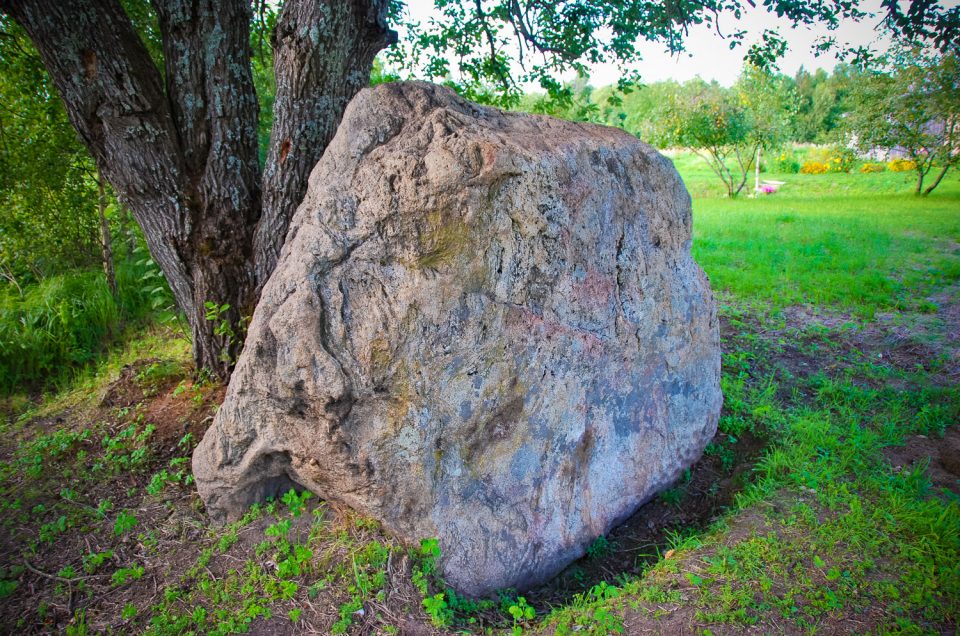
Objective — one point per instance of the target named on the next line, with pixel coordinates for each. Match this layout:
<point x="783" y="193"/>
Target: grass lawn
<point x="855" y="242"/>
<point x="828" y="502"/>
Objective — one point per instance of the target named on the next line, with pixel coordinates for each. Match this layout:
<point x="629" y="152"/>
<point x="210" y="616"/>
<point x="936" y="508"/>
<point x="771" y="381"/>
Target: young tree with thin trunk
<point x="726" y="126"/>
<point x="913" y="108"/>
<point x="178" y="141"/>
<point x="106" y="241"/>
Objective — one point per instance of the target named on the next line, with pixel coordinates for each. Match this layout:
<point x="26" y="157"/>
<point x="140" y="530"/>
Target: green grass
<point x="828" y="536"/>
<point x="856" y="242"/>
<point x="60" y="326"/>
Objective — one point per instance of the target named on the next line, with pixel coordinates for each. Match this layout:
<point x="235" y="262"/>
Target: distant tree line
<point x="907" y="104"/>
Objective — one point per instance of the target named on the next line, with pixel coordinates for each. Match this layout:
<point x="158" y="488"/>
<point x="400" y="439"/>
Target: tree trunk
<point x="209" y="82"/>
<point x="322" y="55"/>
<point x="937" y="181"/>
<point x="182" y="154"/>
<point x="106" y="244"/>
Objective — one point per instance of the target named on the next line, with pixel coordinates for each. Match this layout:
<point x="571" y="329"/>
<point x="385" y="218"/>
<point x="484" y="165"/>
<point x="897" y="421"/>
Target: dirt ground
<point x="793" y="347"/>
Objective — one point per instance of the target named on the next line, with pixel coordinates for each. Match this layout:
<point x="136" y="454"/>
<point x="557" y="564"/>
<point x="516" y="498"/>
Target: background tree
<point x="914" y="107"/>
<point x="726" y="127"/>
<point x="176" y="131"/>
<point x="49" y="218"/>
<point x="822" y="102"/>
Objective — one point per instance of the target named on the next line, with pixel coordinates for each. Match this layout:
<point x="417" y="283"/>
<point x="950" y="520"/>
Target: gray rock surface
<point x="484" y="327"/>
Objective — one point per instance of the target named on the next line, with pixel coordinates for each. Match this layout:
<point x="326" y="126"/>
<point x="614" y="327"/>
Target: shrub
<point x="901" y="165"/>
<point x="64" y="322"/>
<point x="786" y="162"/>
<point x="836" y="158"/>
<point x="872" y="167"/>
<point x="814" y="167"/>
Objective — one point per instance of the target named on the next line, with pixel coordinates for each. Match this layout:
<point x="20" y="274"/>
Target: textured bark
<point x="323" y="52"/>
<point x="182" y="154"/>
<point x="106" y="242"/>
<point x="206" y="48"/>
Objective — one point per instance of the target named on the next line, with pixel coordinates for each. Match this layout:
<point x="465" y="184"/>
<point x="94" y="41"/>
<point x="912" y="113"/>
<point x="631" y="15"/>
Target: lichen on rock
<point x="484" y="327"/>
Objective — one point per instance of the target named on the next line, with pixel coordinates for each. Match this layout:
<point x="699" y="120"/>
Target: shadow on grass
<point x="690" y="505"/>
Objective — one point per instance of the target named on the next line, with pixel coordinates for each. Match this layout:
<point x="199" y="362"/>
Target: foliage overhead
<point x="495" y="47"/>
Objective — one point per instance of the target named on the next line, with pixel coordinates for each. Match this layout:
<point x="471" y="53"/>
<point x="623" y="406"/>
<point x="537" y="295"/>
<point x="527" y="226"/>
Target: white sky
<point x="710" y="57"/>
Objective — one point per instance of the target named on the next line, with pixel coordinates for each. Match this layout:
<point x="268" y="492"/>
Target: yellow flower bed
<point x="872" y="167"/>
<point x="902" y="165"/>
<point x="814" y="167"/>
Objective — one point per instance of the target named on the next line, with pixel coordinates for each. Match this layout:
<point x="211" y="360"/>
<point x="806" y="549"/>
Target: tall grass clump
<point x="64" y="322"/>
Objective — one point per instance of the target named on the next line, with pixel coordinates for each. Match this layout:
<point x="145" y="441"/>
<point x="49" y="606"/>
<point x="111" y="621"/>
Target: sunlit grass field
<point x="855" y="242"/>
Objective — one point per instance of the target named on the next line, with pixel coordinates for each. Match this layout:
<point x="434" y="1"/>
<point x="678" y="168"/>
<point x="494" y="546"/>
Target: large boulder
<point x="485" y="327"/>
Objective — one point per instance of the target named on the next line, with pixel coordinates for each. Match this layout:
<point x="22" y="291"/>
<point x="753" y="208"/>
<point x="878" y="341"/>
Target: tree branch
<point x="114" y="98"/>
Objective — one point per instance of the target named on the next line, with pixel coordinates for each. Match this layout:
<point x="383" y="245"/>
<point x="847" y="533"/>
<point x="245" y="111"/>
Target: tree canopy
<point x="496" y="47"/>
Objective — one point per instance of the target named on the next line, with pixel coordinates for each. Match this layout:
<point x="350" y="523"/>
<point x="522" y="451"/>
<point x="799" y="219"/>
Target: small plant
<point x="425" y="567"/>
<point x="50" y="531"/>
<point x="870" y="167"/>
<point x="93" y="561"/>
<point x="222" y="327"/>
<point x="279" y="530"/>
<point x="125" y="575"/>
<point x="599" y="547"/>
<point x="7" y="588"/>
<point x="157" y="483"/>
<point x="297" y="503"/>
<point x="226" y="541"/>
<point x="438" y="610"/>
<point x="521" y="612"/>
<point x="103" y="508"/>
<point x="124" y="523"/>
<point x="672" y="496"/>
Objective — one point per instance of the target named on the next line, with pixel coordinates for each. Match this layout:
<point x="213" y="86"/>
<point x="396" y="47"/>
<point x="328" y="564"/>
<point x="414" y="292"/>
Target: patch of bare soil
<point x="127" y="390"/>
<point x="940" y="458"/>
<point x="901" y="341"/>
<point x="49" y="521"/>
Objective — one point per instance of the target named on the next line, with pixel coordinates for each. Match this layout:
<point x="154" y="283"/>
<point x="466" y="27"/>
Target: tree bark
<point x="937" y="181"/>
<point x="106" y="244"/>
<point x="209" y="86"/>
<point x="181" y="152"/>
<point x="323" y="52"/>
